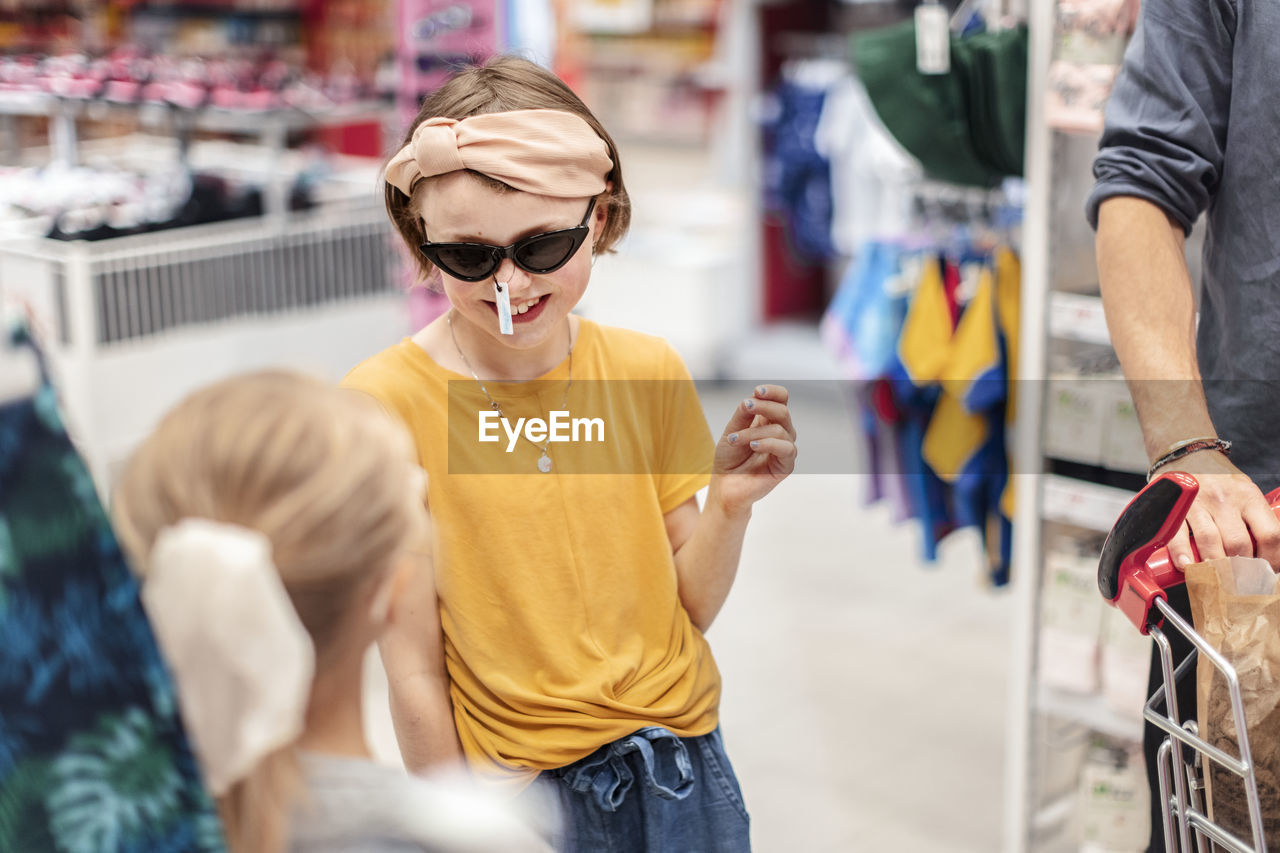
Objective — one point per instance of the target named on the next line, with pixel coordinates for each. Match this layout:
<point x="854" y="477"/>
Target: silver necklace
<point x="544" y="461"/>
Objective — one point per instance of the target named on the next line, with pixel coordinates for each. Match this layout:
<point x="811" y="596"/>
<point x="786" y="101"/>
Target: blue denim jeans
<point x="652" y="792"/>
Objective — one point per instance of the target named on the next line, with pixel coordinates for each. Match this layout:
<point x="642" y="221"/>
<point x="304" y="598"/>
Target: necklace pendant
<point x="544" y="463"/>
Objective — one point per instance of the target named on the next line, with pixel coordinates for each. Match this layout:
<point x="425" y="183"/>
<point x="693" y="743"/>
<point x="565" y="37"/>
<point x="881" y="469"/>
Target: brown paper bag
<point x="1235" y="605"/>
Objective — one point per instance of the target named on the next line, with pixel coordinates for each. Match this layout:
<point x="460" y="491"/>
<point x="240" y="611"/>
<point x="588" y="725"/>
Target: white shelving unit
<point x="1090" y="711"/>
<point x="1082" y="504"/>
<point x="133" y="324"/>
<point x="1062" y="320"/>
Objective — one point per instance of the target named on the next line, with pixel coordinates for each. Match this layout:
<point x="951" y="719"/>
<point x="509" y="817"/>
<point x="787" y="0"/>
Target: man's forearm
<point x="1150" y="308"/>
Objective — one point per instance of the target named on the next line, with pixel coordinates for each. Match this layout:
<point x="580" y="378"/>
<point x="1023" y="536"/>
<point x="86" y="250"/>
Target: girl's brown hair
<point x="327" y="477"/>
<point x="503" y="84"/>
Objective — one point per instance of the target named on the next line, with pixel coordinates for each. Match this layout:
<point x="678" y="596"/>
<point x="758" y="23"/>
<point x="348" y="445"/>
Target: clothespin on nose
<point x="501" y="292"/>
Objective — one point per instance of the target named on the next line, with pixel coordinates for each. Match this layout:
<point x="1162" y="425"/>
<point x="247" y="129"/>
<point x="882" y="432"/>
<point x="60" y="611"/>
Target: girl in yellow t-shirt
<point x="575" y="573"/>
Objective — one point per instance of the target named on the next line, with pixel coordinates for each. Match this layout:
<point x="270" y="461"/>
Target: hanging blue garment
<point x="977" y="492"/>
<point x="930" y="495"/>
<point x="93" y="756"/>
<point x="982" y="388"/>
<point x="797" y="178"/>
<point x="862" y="325"/>
<point x="864" y="320"/>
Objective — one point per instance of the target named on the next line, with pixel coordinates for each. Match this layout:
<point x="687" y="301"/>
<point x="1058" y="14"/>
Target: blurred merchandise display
<point x="233" y="55"/>
<point x="177" y="167"/>
<point x="102" y="203"/>
<point x="1114" y="800"/>
<point x="1090" y="38"/>
<point x="927" y="323"/>
<point x="650" y="69"/>
<point x="173" y="26"/>
<point x="1071" y="616"/>
<point x="128" y="76"/>
<point x="438" y="36"/>
<point x="966" y="126"/>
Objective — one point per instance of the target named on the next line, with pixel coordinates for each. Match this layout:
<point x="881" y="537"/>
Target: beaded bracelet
<point x="1186" y="448"/>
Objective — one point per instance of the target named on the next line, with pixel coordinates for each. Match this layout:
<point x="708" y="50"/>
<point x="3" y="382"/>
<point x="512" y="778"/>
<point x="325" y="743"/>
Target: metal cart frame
<point x="1183" y="808"/>
<point x="1134" y="570"/>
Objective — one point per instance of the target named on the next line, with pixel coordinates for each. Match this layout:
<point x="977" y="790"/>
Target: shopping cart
<point x="1133" y="573"/>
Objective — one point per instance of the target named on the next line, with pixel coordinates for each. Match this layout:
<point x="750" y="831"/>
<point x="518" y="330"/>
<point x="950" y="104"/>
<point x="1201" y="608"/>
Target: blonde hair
<point x="502" y="84"/>
<point x="327" y="477"/>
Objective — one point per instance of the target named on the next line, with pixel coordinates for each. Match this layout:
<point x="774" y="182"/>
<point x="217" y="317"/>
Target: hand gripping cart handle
<point x="1133" y="573"/>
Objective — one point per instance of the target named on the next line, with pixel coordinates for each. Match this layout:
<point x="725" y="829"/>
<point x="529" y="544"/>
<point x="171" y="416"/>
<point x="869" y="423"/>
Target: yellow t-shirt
<point x="562" y="621"/>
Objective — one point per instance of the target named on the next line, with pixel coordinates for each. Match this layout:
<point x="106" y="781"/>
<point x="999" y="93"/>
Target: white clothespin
<point x="500" y="291"/>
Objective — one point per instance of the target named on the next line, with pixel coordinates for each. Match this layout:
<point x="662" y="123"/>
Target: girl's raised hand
<point x="757" y="450"/>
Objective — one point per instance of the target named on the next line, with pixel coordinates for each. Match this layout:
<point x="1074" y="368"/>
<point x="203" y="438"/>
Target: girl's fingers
<point x="745" y="437"/>
<point x="776" y="393"/>
<point x="779" y="448"/>
<point x="742" y="418"/>
<point x="772" y="411"/>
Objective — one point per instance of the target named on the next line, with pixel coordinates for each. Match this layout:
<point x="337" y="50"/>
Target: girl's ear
<point x="600" y="216"/>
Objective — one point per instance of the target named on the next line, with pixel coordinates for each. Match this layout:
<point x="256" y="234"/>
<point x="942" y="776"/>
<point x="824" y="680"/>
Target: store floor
<point x="864" y="694"/>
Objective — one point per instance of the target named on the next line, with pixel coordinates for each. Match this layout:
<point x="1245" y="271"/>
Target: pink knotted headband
<point x="545" y="152"/>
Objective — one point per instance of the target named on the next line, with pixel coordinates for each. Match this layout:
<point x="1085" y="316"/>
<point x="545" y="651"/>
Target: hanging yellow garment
<point x="955" y="434"/>
<point x="924" y="347"/>
<point x="1009" y="313"/>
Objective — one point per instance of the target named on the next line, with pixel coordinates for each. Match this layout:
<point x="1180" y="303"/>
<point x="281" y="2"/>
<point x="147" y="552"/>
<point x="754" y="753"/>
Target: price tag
<point x="933" y="39"/>
<point x="1082" y="504"/>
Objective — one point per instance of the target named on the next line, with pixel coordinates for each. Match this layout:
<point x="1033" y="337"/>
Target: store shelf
<point x="211" y="119"/>
<point x="1054" y="812"/>
<point x="1091" y="711"/>
<point x="1077" y="317"/>
<point x="1082" y="504"/>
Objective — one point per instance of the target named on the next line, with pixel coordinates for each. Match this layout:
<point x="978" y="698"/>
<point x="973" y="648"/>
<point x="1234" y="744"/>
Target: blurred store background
<point x="189" y="189"/>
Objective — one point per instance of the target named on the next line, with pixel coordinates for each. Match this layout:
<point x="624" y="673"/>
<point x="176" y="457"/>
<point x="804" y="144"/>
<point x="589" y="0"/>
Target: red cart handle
<point x="1135" y="569"/>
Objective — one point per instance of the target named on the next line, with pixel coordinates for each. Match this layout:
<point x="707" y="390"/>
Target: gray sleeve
<point x="1166" y="120"/>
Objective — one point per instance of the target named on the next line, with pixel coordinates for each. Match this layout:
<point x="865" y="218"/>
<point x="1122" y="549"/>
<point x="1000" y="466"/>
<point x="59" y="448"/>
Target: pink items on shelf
<point x="1091" y="36"/>
<point x="436" y="36"/>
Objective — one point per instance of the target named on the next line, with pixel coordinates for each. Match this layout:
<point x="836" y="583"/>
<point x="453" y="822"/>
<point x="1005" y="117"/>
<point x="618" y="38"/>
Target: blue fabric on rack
<point x="92" y="752"/>
<point x="863" y="326"/>
<point x="863" y="320"/>
<point x="931" y="499"/>
<point x="797" y="178"/>
<point x="982" y="481"/>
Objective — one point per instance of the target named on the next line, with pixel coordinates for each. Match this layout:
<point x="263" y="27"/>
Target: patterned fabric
<point x="92" y="752"/>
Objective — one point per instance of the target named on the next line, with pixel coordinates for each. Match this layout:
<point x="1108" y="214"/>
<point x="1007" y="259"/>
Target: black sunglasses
<point x="538" y="253"/>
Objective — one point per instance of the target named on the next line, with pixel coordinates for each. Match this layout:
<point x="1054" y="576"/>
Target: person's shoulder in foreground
<point x="359" y="806"/>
